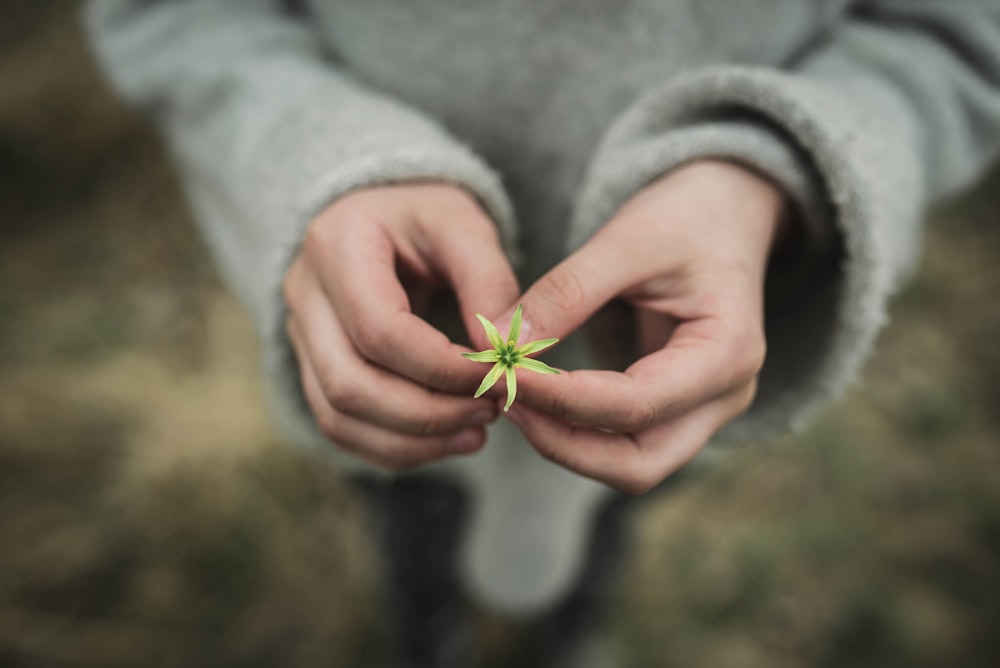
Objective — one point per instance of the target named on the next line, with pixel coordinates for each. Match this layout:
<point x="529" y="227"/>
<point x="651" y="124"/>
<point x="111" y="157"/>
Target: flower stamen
<point x="506" y="356"/>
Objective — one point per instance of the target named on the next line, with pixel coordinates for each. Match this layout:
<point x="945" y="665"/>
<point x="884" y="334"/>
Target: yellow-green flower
<point x="507" y="356"/>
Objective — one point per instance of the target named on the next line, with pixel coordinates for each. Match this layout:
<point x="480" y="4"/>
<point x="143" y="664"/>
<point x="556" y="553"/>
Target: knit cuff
<point x="799" y="135"/>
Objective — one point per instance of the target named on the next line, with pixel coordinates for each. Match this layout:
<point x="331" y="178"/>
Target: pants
<point x="419" y="524"/>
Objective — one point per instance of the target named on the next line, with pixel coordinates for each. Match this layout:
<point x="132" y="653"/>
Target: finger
<point x="470" y="256"/>
<point x="371" y="304"/>
<point x="565" y="297"/>
<point x="704" y="359"/>
<point x="355" y="387"/>
<point x="386" y="449"/>
<point x="631" y="463"/>
<point x="562" y="299"/>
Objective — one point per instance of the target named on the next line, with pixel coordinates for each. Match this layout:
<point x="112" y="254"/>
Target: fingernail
<point x="514" y="416"/>
<point x="503" y="324"/>
<point x="466" y="441"/>
<point x="527" y="331"/>
<point x="480" y="418"/>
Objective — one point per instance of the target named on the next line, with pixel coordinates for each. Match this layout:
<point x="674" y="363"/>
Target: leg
<point x="418" y="525"/>
<point x="564" y="637"/>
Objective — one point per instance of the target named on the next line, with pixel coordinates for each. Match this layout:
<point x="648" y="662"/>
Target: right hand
<point x="689" y="254"/>
<point x="381" y="382"/>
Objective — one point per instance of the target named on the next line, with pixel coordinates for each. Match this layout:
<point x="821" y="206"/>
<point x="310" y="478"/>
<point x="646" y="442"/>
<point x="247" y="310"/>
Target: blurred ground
<point x="149" y="515"/>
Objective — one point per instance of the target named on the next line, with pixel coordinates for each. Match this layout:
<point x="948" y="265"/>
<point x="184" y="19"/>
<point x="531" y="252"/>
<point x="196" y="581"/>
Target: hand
<point x="381" y="382"/>
<point x="689" y="254"/>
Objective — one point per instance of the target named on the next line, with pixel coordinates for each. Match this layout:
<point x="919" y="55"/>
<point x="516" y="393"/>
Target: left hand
<point x="382" y="383"/>
<point x="689" y="253"/>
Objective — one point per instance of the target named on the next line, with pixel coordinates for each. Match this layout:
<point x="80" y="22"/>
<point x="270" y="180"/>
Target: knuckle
<point x="329" y="426"/>
<point x="641" y="415"/>
<point x="507" y="285"/>
<point x="559" y="406"/>
<point x="500" y="288"/>
<point x="432" y="425"/>
<point x="370" y="337"/>
<point x="638" y="414"/>
<point x="563" y="290"/>
<point x="436" y="377"/>
<point x="340" y="392"/>
<point x="319" y="235"/>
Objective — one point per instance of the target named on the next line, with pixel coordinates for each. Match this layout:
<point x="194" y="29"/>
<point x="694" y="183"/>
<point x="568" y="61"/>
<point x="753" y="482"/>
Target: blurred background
<point x="150" y="516"/>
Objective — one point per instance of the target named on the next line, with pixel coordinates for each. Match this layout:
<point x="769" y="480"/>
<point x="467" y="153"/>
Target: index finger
<point x="374" y="310"/>
<point x="703" y="360"/>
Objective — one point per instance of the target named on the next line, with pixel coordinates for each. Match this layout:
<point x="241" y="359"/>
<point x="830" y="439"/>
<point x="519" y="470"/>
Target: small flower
<point x="507" y="356"/>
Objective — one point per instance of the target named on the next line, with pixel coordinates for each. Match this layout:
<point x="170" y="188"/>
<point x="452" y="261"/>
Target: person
<point x="669" y="187"/>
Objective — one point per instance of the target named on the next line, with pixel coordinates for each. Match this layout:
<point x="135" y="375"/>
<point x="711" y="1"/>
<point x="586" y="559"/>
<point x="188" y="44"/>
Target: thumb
<point x="564" y="298"/>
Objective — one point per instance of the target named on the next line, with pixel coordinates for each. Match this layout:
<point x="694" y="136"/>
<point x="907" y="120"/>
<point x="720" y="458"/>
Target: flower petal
<point x="490" y="380"/>
<point x="515" y="326"/>
<point x="491" y="332"/>
<point x="535" y="346"/>
<point x="535" y="365"/>
<point x="511" y="387"/>
<point x="483" y="356"/>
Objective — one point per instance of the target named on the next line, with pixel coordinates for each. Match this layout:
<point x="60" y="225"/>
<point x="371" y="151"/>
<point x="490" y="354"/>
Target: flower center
<point x="507" y="356"/>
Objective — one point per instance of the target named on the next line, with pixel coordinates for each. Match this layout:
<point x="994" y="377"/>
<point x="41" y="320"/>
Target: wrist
<point x="753" y="197"/>
<point x="711" y="209"/>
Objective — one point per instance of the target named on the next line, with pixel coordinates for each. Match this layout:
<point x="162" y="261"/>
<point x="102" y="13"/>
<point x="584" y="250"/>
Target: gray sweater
<point x="554" y="112"/>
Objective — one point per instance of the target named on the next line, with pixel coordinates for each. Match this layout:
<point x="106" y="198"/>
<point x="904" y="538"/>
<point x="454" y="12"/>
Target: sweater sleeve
<point x="267" y="130"/>
<point x="896" y="106"/>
